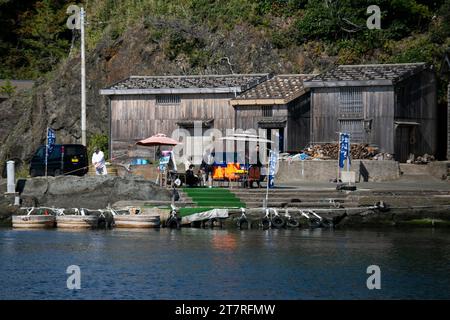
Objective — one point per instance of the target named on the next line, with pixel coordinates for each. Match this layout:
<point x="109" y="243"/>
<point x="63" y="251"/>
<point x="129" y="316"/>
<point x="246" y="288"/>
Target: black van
<point x="65" y="159"/>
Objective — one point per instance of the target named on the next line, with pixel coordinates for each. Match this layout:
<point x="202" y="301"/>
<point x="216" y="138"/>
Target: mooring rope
<point x="91" y="165"/>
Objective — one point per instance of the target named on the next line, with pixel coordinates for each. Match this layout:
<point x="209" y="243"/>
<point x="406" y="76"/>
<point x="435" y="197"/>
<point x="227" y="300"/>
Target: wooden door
<point x="402" y="143"/>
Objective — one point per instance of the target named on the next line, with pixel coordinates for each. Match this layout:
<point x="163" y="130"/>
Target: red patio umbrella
<point x="159" y="139"/>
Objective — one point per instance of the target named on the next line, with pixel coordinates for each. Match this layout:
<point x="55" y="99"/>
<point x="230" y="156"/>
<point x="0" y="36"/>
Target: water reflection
<point x="244" y="264"/>
<point x="223" y="240"/>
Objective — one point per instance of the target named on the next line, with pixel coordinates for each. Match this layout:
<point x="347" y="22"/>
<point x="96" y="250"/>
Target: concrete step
<point x="277" y="204"/>
<point x="414" y="169"/>
<point x="294" y="196"/>
<point x="297" y="200"/>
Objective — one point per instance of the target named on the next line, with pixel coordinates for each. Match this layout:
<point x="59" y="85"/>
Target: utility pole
<point x="83" y="80"/>
<point x="76" y="21"/>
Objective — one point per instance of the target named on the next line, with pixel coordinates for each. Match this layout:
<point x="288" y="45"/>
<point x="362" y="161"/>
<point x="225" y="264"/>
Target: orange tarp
<point x="229" y="172"/>
<point x="218" y="173"/>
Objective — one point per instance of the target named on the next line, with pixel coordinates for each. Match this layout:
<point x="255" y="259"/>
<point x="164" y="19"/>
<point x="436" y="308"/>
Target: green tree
<point x="7" y="88"/>
<point x="100" y="141"/>
<point x="43" y="35"/>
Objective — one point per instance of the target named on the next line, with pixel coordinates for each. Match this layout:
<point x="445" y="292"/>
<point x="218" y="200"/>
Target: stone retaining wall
<point x="326" y="170"/>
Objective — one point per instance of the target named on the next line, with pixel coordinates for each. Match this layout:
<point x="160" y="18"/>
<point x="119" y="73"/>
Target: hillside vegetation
<point x="34" y="35"/>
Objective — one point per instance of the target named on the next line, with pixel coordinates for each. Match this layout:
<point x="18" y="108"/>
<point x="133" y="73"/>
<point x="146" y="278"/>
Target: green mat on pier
<point x="213" y="198"/>
<point x="188" y="211"/>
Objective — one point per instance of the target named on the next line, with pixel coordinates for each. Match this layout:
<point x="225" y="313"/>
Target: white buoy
<point x="11" y="184"/>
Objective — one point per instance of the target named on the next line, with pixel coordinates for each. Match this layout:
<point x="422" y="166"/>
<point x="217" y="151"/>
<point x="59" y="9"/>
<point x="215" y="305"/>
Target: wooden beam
<point x="350" y="83"/>
<point x="108" y="92"/>
<point x="256" y="102"/>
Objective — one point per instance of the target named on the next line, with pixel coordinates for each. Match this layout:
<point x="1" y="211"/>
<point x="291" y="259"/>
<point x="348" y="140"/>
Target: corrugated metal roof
<point x="382" y="74"/>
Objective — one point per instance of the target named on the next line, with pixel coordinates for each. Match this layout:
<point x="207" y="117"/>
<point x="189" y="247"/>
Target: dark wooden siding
<point x="248" y="117"/>
<point x="299" y="119"/>
<point x="416" y="102"/>
<point x="324" y="120"/>
<point x="378" y="112"/>
<point x="412" y="101"/>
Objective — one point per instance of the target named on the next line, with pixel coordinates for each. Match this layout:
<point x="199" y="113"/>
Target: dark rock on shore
<point x="94" y="192"/>
<point x="6" y="209"/>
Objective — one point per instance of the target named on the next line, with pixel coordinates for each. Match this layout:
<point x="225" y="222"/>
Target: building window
<point x="355" y="128"/>
<point x="351" y="103"/>
<point x="168" y="99"/>
<point x="267" y="111"/>
<point x="351" y="113"/>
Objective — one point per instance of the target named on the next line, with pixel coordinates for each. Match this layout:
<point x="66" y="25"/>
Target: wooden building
<point x="392" y="106"/>
<point x="142" y="106"/>
<point x="281" y="107"/>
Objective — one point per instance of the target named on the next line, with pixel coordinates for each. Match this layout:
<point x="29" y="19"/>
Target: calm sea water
<point x="225" y="264"/>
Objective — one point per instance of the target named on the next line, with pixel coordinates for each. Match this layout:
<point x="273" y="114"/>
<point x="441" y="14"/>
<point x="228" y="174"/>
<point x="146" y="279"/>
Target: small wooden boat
<point x="76" y="221"/>
<point x="137" y="221"/>
<point x="33" y="221"/>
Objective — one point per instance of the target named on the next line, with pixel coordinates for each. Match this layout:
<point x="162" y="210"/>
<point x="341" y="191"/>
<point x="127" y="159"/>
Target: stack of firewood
<point x="424" y="159"/>
<point x="331" y="151"/>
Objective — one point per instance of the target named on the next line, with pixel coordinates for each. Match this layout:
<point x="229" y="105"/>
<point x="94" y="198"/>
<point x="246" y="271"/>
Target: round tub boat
<point x="33" y="221"/>
<point x="76" y="221"/>
<point x="137" y="221"/>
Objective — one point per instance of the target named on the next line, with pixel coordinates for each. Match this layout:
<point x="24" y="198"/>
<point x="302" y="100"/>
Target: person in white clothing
<point x="98" y="160"/>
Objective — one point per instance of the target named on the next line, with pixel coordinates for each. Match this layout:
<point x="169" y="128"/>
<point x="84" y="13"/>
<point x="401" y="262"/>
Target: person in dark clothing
<point x="206" y="167"/>
<point x="259" y="166"/>
<point x="258" y="161"/>
<point x="192" y="180"/>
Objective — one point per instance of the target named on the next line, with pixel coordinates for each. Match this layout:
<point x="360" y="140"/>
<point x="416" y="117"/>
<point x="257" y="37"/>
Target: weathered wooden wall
<point x="324" y="115"/>
<point x="377" y="106"/>
<point x="416" y="102"/>
<point x="135" y="117"/>
<point x="412" y="101"/>
<point x="299" y="123"/>
<point x="247" y="117"/>
<point x="295" y="114"/>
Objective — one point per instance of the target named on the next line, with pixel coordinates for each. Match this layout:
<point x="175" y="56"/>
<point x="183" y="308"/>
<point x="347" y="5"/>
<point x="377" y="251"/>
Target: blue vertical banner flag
<point x="344" y="148"/>
<point x="273" y="160"/>
<point x="51" y="139"/>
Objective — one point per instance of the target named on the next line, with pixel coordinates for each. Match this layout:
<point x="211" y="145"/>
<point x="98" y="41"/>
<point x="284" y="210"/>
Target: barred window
<point x="350" y="102"/>
<point x="267" y="111"/>
<point x="354" y="127"/>
<point x="168" y="99"/>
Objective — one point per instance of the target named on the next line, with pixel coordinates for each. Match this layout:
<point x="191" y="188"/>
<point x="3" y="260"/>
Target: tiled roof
<point x="280" y="88"/>
<point x="369" y="74"/>
<point x="187" y="84"/>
